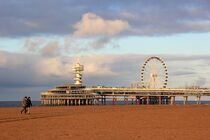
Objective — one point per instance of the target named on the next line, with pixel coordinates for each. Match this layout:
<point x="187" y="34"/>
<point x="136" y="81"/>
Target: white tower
<point x="78" y="73"/>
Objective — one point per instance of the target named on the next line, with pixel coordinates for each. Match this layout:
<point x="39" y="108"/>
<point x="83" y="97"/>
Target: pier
<point x="91" y="96"/>
<point x="149" y="93"/>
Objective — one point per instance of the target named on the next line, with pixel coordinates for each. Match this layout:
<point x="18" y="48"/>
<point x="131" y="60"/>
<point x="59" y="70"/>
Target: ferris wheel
<point x="154" y="73"/>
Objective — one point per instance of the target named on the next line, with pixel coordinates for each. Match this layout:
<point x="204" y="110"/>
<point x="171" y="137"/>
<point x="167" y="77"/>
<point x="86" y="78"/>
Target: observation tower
<point x="78" y="68"/>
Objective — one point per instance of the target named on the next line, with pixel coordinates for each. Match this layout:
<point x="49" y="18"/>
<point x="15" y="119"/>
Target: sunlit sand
<point x="122" y="122"/>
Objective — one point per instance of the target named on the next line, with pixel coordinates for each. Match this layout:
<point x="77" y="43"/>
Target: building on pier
<point x="70" y="94"/>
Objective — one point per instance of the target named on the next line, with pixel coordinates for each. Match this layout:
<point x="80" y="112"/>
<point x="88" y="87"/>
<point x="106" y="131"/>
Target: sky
<point x="40" y="41"/>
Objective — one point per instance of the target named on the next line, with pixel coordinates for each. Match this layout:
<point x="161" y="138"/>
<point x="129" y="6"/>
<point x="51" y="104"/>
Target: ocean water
<point x="38" y="103"/>
<point x="17" y="103"/>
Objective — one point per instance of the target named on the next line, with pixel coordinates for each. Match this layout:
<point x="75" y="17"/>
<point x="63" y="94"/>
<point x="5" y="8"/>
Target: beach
<point x="111" y="122"/>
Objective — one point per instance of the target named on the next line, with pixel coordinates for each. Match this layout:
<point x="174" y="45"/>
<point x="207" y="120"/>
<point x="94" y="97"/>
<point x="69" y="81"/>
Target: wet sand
<point x="180" y="122"/>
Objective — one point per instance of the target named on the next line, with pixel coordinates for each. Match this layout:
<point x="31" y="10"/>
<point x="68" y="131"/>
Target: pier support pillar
<point x="79" y="102"/>
<point x="127" y="101"/>
<point x="138" y="101"/>
<point x="185" y="99"/>
<point x="172" y="100"/>
<point x="159" y="100"/>
<point x="104" y="99"/>
<point x="147" y="100"/>
<point x="198" y="99"/>
<point x="91" y="101"/>
<point x="58" y="102"/>
<point x="112" y="100"/>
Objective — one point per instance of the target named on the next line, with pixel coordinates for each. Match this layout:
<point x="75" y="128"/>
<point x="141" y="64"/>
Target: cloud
<point x="51" y="49"/>
<point x="33" y="44"/>
<point x="3" y="60"/>
<point x="53" y="67"/>
<point x="93" y="25"/>
<point x="23" y="70"/>
<point x="8" y="60"/>
<point x="201" y="82"/>
<point x="98" y="65"/>
<point x="183" y="73"/>
<point x="32" y="24"/>
<point x="43" y="46"/>
<point x="72" y="45"/>
<point x="28" y="71"/>
<point x="100" y="43"/>
<point x="197" y="25"/>
<point x="145" y="17"/>
<point x="99" y="32"/>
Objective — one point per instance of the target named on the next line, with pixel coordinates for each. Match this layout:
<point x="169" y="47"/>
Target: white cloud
<point x="93" y="25"/>
<point x="53" y="67"/>
<point x="98" y="65"/>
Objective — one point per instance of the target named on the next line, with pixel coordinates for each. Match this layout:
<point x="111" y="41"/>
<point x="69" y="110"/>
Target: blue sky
<point x="40" y="41"/>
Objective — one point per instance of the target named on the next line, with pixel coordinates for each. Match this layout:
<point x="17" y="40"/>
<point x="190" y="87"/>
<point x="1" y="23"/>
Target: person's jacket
<point x="24" y="103"/>
<point x="29" y="104"/>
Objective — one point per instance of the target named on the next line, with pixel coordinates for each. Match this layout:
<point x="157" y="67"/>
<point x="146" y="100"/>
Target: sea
<point x="11" y="104"/>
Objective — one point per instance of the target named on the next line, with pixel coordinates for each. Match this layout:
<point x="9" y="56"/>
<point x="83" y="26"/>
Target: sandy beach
<point x="179" y="122"/>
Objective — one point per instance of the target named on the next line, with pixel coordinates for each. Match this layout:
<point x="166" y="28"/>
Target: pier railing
<point x="157" y="92"/>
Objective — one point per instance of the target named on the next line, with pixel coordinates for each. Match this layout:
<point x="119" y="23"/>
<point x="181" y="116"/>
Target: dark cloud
<point x="100" y="43"/>
<point x="146" y="17"/>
